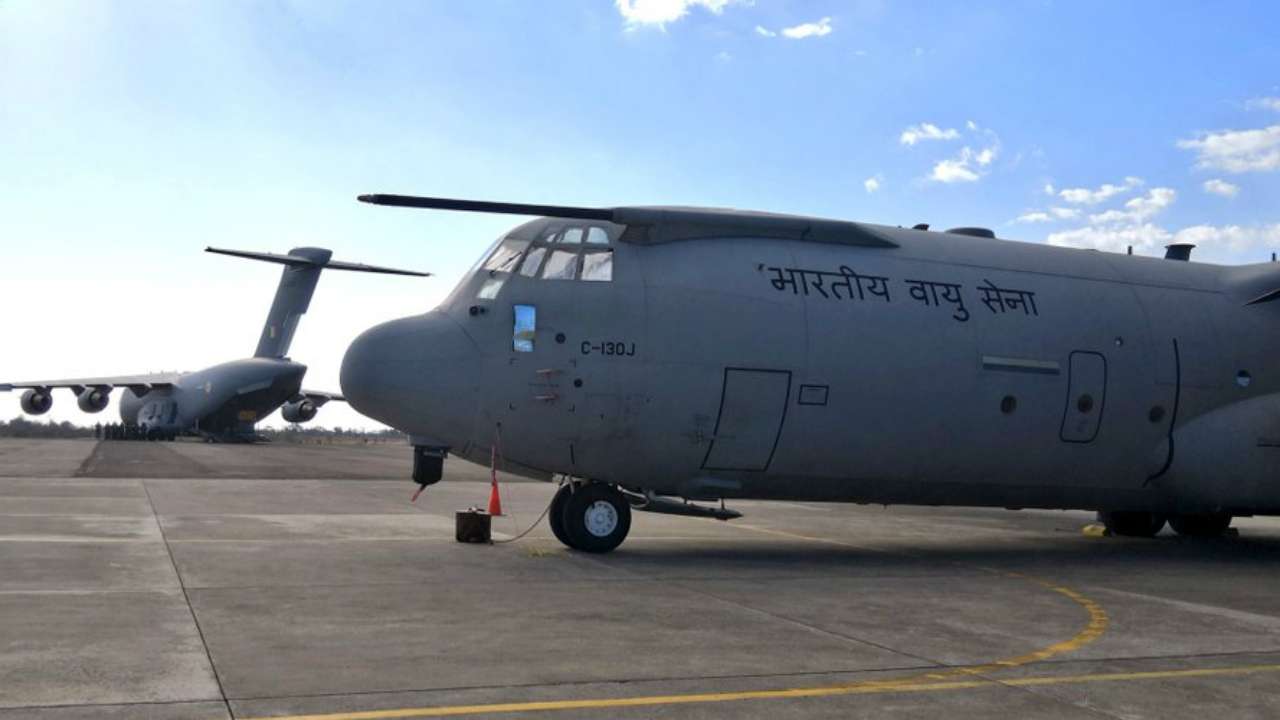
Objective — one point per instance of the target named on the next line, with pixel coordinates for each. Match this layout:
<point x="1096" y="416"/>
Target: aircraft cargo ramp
<point x="323" y="593"/>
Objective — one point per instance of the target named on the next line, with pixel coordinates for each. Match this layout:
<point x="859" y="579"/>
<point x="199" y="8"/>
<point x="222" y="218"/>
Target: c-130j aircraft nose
<point x="419" y="374"/>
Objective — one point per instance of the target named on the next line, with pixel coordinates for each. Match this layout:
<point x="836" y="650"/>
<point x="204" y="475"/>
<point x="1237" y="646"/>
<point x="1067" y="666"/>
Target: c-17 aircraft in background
<point x="668" y="354"/>
<point x="222" y="402"/>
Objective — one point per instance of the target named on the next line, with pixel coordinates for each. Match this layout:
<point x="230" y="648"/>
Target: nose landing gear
<point x="592" y="517"/>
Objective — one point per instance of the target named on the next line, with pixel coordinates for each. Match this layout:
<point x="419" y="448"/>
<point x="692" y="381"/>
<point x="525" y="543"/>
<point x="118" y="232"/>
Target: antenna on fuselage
<point x="485" y="206"/>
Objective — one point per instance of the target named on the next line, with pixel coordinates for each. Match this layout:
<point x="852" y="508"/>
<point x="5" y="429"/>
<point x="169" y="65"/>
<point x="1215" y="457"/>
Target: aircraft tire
<point x="596" y="518"/>
<point x="555" y="516"/>
<point x="1201" y="525"/>
<point x="1133" y="524"/>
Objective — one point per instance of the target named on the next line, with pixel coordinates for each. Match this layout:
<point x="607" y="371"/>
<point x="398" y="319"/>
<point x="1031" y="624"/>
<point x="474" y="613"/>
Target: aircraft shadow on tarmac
<point x="1048" y="556"/>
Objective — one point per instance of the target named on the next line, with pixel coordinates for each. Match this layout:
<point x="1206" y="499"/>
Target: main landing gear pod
<point x="592" y="517"/>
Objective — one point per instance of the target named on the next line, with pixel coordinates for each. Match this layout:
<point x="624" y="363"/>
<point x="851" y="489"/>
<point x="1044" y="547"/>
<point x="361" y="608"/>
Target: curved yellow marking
<point x="966" y="677"/>
<point x="1097" y="625"/>
<point x="869" y="688"/>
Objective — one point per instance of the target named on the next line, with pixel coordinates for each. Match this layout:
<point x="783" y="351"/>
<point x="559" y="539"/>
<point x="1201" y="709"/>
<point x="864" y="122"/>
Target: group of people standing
<point x="118" y="431"/>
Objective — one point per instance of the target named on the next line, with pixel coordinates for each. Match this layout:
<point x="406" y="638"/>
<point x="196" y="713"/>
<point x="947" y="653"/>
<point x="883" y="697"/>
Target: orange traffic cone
<point x="495" y="501"/>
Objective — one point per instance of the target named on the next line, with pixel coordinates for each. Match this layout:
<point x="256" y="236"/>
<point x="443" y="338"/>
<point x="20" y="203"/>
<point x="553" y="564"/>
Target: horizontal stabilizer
<point x="297" y="284"/>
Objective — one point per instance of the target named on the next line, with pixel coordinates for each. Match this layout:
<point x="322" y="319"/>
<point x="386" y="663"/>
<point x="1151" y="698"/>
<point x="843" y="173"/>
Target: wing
<point x="320" y="398"/>
<point x="134" y="382"/>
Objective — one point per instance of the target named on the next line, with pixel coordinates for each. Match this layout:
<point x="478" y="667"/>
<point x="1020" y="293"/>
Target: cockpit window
<point x="532" y="261"/>
<point x="505" y="256"/>
<point x="597" y="265"/>
<point x="489" y="290"/>
<point x="562" y="265"/>
<point x="559" y="252"/>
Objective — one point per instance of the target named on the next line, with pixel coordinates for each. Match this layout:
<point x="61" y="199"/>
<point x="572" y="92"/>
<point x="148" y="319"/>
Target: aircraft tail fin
<point x="297" y="285"/>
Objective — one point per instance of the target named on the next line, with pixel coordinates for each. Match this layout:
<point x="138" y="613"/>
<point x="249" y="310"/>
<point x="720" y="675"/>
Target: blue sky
<point x="132" y="134"/>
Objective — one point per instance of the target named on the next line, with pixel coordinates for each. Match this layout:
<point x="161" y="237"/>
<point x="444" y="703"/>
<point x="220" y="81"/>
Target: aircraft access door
<point x="1086" y="396"/>
<point x="753" y="406"/>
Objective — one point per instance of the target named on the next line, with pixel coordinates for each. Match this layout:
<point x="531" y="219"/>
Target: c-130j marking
<point x="783" y="357"/>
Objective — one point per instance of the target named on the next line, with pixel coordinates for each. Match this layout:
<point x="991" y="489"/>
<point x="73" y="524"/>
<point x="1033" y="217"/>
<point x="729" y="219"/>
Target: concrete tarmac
<point x="319" y="591"/>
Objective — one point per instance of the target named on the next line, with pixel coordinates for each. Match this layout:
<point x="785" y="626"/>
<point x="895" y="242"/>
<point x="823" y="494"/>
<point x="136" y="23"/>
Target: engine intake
<point x="94" y="399"/>
<point x="36" y="402"/>
<point x="299" y="411"/>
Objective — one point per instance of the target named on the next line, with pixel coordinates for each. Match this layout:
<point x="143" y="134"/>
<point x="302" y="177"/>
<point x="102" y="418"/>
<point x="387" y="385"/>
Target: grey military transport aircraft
<point x="669" y="354"/>
<point x="222" y="402"/>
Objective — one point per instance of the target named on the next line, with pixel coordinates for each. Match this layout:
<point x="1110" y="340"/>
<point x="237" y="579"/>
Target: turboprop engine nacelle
<point x="36" y="402"/>
<point x="299" y="412"/>
<point x="93" y="399"/>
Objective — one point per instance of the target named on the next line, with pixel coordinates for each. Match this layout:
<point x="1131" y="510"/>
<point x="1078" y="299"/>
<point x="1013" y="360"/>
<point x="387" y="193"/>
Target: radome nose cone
<point x="417" y="374"/>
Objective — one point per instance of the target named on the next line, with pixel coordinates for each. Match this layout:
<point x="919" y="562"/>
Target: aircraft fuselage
<point x="947" y="370"/>
<point x="224" y="400"/>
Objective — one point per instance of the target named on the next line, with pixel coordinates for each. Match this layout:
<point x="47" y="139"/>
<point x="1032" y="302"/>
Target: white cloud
<point x="1085" y="196"/>
<point x="1145" y="237"/>
<point x="1213" y="243"/>
<point x="1221" y="241"/>
<point x="1036" y="216"/>
<point x="1237" y="151"/>
<point x="969" y="164"/>
<point x="1154" y="202"/>
<point x="1050" y="215"/>
<point x="961" y="168"/>
<point x="872" y="184"/>
<point x="926" y="131"/>
<point x="765" y="32"/>
<point x="808" y="30"/>
<point x="1048" y="189"/>
<point x="723" y="56"/>
<point x="1266" y="103"/>
<point x="953" y="170"/>
<point x="1221" y="187"/>
<point x="1139" y="209"/>
<point x="660" y="12"/>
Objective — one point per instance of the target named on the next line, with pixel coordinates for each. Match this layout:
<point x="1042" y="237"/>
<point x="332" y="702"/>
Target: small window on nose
<point x="526" y="324"/>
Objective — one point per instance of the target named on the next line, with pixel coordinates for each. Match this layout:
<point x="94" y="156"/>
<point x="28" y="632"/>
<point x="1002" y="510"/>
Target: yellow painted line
<point x="1094" y="530"/>
<point x="1141" y="675"/>
<point x="951" y="679"/>
<point x="1097" y="625"/>
<point x="859" y="688"/>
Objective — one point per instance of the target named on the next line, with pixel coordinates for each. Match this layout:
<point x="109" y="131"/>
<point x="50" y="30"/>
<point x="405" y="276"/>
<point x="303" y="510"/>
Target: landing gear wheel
<point x="1201" y="525"/>
<point x="596" y="518"/>
<point x="1133" y="524"/>
<point x="555" y="516"/>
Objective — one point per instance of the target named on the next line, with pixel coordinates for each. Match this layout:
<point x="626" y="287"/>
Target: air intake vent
<point x="1178" y="251"/>
<point x="973" y="232"/>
